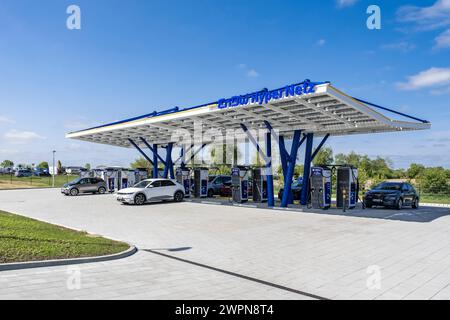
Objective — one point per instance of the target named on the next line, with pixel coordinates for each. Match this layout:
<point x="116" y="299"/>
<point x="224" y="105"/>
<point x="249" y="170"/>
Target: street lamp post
<point x="53" y="173"/>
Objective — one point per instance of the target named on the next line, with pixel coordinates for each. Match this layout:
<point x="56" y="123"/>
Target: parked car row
<point x="386" y="194"/>
<point x="149" y="190"/>
<point x="30" y="172"/>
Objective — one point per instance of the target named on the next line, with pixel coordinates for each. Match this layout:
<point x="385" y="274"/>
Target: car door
<point x="217" y="182"/>
<point x="83" y="185"/>
<point x="93" y="184"/>
<point x="168" y="189"/>
<point x="407" y="198"/>
<point x="153" y="191"/>
<point x="412" y="193"/>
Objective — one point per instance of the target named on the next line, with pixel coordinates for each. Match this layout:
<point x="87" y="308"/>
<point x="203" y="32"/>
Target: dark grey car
<point x="84" y="185"/>
<point x="392" y="194"/>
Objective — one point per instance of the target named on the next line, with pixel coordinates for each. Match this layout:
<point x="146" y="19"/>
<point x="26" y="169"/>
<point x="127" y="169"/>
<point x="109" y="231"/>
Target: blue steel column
<point x="155" y="161"/>
<point x="307" y="169"/>
<point x="141" y="151"/>
<point x="168" y="163"/>
<point x="152" y="150"/>
<point x="320" y="147"/>
<point x="290" y="169"/>
<point x="269" y="172"/>
<point x="283" y="156"/>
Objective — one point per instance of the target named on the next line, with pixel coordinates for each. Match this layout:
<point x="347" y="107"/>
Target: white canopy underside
<point x="326" y="111"/>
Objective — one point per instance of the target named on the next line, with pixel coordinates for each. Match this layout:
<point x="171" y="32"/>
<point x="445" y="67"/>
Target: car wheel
<point x="210" y="193"/>
<point x="179" y="196"/>
<point x="399" y="204"/>
<point x="74" y="192"/>
<point x="102" y="190"/>
<point x="139" y="199"/>
<point x="415" y="204"/>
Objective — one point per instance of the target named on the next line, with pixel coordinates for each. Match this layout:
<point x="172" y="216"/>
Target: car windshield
<point x="388" y="186"/>
<point x="142" y="184"/>
<point x="76" y="181"/>
<point x="211" y="178"/>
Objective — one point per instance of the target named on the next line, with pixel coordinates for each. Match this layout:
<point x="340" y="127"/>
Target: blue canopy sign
<point x="264" y="96"/>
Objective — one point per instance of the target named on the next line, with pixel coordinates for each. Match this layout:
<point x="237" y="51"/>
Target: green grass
<point x="24" y="239"/>
<point x="9" y="182"/>
<point x="435" y="198"/>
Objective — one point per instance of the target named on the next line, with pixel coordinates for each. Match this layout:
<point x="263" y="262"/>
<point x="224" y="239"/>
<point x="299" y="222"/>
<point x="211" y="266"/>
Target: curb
<point x="437" y="205"/>
<point x="64" y="262"/>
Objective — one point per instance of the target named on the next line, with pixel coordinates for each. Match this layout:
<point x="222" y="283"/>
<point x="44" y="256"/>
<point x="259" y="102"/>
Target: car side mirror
<point x="150" y="186"/>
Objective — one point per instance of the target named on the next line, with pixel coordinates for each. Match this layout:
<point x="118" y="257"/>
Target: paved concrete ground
<point x="323" y="254"/>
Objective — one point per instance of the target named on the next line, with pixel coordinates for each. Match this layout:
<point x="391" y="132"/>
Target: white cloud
<point x="443" y="40"/>
<point x="249" y="72"/>
<point x="433" y="77"/>
<point x="321" y="42"/>
<point x="427" y="18"/>
<point x="345" y="3"/>
<point x="16" y="136"/>
<point x="402" y="46"/>
<point x="252" y="73"/>
<point x="4" y="119"/>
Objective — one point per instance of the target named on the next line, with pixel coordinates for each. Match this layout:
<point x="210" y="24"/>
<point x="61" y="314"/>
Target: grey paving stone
<point x="323" y="254"/>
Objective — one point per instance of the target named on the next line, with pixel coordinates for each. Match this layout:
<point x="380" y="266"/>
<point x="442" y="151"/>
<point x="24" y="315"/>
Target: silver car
<point x="84" y="185"/>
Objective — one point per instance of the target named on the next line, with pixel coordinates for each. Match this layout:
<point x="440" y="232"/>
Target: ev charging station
<point x="200" y="182"/>
<point x="183" y="175"/>
<point x="239" y="183"/>
<point x="117" y="178"/>
<point x="86" y="174"/>
<point x="140" y="174"/>
<point x="347" y="187"/>
<point x="320" y="188"/>
<point x="111" y="177"/>
<point x="259" y="187"/>
<point x="300" y="112"/>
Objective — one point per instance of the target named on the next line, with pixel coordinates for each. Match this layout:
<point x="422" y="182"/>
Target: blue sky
<point x="134" y="57"/>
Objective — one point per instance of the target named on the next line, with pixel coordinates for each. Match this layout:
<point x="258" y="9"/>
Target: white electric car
<point x="151" y="190"/>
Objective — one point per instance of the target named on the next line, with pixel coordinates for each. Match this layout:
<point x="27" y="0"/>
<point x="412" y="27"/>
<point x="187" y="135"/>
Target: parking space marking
<point x="234" y="274"/>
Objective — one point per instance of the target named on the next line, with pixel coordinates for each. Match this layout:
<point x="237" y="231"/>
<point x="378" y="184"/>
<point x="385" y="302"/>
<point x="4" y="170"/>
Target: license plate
<point x="377" y="200"/>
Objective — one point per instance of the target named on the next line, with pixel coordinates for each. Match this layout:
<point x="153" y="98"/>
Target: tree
<point x="415" y="170"/>
<point x="324" y="157"/>
<point x="87" y="166"/>
<point x="7" y="164"/>
<point x="43" y="165"/>
<point x="59" y="168"/>
<point x="224" y="157"/>
<point x="141" y="163"/>
<point x="434" y="180"/>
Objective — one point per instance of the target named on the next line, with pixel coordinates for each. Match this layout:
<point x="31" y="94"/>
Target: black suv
<point x="392" y="194"/>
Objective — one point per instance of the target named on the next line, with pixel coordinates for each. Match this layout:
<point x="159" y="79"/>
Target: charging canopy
<point x="317" y="108"/>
